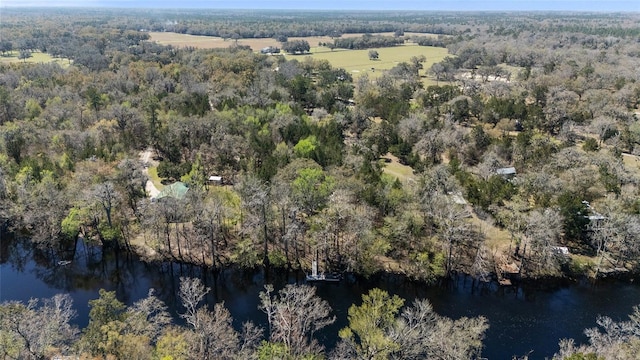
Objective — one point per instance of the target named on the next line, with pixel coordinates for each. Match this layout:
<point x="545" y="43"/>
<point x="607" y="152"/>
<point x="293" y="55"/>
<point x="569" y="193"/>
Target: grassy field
<point x="354" y="61"/>
<point x="36" y="57"/>
<point x="214" y="42"/>
<point x="394" y="168"/>
<point x="357" y="61"/>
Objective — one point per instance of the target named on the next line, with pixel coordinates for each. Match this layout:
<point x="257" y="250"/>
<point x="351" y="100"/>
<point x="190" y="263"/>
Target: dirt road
<point x="147" y="160"/>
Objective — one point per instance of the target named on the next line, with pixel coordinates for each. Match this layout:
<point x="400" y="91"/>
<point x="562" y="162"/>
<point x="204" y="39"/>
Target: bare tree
<point x="289" y="226"/>
<point x="294" y="315"/>
<point x="213" y="335"/>
<point x="192" y="292"/>
<point x="250" y="337"/>
<point x="108" y="197"/>
<point x="133" y="180"/>
<point x="482" y="265"/>
<point x="542" y="233"/>
<point x="24" y="55"/>
<point x="375" y="331"/>
<point x="618" y="340"/>
<point x="423" y="334"/>
<point x="209" y="227"/>
<point x="4" y="204"/>
<point x="148" y="317"/>
<point x="560" y="104"/>
<point x="38" y="326"/>
<point x="162" y="217"/>
<point x="614" y="235"/>
<point x="454" y="231"/>
<point x="255" y="204"/>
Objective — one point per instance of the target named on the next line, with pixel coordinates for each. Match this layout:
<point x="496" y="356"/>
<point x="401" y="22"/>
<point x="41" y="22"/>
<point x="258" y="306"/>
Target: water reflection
<point x="521" y="319"/>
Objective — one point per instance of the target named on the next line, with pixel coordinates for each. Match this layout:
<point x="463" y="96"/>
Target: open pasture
<point x="357" y="62"/>
<point x="36" y="58"/>
<point x="215" y="42"/>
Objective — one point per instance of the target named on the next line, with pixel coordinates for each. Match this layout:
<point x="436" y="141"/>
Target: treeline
<point x="229" y="24"/>
<point x="245" y="24"/>
<point x="428" y="41"/>
<point x="296" y="46"/>
<point x="382" y="327"/>
<point x="367" y="42"/>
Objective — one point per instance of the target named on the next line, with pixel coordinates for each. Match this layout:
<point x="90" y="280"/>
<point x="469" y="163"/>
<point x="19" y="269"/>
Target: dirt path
<point x="145" y="157"/>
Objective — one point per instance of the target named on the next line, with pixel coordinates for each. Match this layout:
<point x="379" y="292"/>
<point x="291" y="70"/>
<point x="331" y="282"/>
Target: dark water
<point x="522" y="321"/>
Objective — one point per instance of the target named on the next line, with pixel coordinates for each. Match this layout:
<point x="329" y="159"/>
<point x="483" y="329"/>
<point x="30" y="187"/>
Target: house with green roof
<point x="177" y="190"/>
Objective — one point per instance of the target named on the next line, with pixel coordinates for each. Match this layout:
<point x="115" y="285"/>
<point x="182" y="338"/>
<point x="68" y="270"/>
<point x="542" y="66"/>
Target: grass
<point x="496" y="238"/>
<point x="354" y="61"/>
<point x="36" y="58"/>
<point x="357" y="61"/>
<point x="394" y="168"/>
<point x="185" y="40"/>
<point x="632" y="164"/>
<point x="215" y="42"/>
<point x="583" y="265"/>
<point x="153" y="175"/>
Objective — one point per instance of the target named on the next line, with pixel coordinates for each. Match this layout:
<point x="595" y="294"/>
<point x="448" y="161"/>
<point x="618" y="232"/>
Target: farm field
<point x="215" y="42"/>
<point x="357" y="61"/>
<point x="36" y="57"/>
<point x="354" y="61"/>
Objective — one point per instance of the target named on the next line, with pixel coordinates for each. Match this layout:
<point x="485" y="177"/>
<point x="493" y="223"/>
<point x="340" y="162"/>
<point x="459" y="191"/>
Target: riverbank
<point x="573" y="271"/>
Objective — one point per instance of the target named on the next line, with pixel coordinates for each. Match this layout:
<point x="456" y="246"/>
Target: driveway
<point x="147" y="160"/>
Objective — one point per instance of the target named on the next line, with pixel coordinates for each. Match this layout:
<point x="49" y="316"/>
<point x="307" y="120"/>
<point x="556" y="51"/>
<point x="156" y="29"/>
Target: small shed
<point x="506" y="172"/>
<point x="215" y="179"/>
<point x="561" y="250"/>
<point x="270" y="50"/>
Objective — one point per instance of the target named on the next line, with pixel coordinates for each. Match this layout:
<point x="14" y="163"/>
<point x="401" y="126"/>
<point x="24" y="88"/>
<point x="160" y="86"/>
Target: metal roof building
<point x="177" y="190"/>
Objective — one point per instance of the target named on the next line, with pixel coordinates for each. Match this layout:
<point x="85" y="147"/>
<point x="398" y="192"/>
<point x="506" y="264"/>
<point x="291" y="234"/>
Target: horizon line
<point x="124" y="7"/>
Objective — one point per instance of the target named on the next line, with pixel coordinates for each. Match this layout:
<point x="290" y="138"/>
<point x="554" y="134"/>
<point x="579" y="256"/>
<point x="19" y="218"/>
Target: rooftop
<point x="177" y="190"/>
<point x="506" y="171"/>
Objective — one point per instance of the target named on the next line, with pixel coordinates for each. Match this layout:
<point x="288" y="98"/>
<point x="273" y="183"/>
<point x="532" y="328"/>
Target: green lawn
<point x="394" y="168"/>
<point x="357" y="61"/>
<point x="36" y="57"/>
<point x="153" y="175"/>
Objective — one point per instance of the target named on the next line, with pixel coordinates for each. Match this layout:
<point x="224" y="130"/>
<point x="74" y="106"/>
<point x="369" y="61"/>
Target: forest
<point x="513" y="159"/>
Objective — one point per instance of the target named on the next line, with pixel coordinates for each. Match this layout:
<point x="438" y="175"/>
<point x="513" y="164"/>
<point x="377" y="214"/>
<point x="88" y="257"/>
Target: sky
<point x="454" y="5"/>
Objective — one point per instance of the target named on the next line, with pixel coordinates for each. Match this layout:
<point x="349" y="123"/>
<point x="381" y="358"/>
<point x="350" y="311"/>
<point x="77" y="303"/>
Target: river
<point x="522" y="321"/>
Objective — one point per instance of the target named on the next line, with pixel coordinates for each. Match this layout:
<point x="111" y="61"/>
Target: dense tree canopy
<point x="527" y="130"/>
<point x="522" y="142"/>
